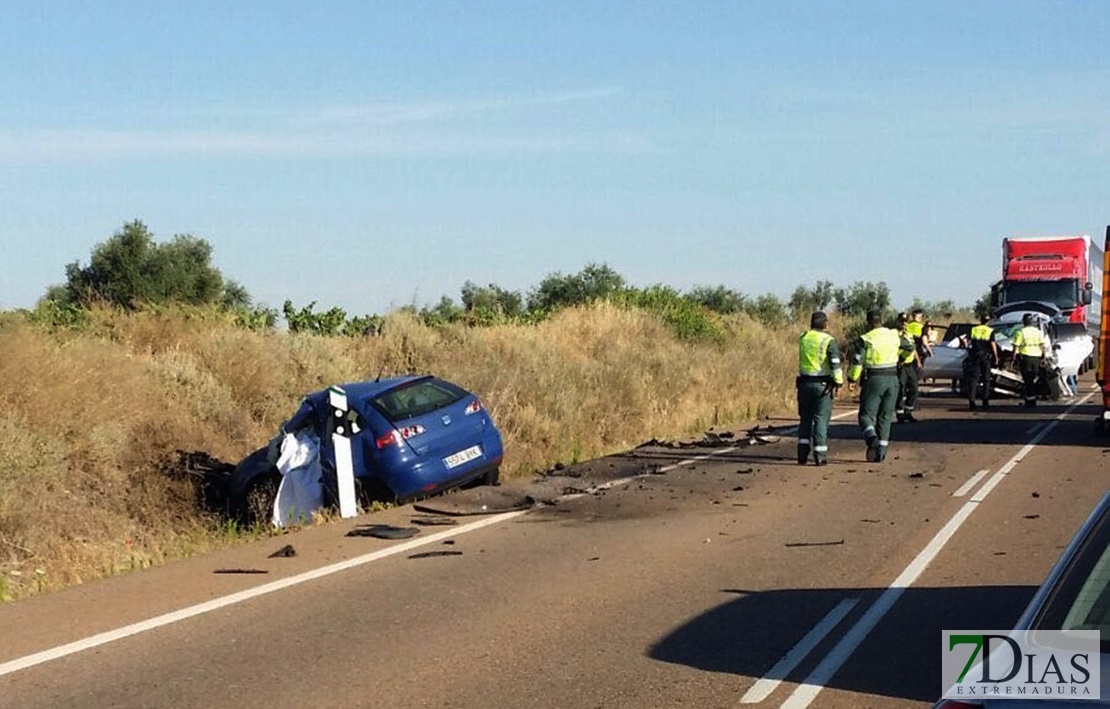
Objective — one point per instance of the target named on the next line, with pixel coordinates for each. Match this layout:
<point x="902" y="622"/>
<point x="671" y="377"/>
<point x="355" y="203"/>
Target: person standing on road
<point x="982" y="354"/>
<point x="875" y="358"/>
<point x="1029" y="347"/>
<point x="819" y="378"/>
<point x="909" y="365"/>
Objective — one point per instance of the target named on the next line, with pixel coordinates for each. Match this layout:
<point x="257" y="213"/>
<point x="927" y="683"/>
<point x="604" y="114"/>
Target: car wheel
<point x="258" y="501"/>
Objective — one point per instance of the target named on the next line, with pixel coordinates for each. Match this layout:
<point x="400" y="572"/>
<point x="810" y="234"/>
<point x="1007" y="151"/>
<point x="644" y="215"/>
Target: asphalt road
<point x="696" y="583"/>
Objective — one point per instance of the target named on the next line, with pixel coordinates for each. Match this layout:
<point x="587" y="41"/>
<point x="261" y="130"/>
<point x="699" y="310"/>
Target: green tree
<point x="491" y="302"/>
<point x="131" y="269"/>
<point x="861" y="297"/>
<point x="594" y="282"/>
<point x="719" y="299"/>
<point x="769" y="310"/>
<point x="443" y="312"/>
<point x="806" y="300"/>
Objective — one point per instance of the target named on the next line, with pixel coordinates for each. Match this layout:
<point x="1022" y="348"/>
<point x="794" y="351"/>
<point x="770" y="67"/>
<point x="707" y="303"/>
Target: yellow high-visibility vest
<point x="1029" y="342"/>
<point x="813" y="359"/>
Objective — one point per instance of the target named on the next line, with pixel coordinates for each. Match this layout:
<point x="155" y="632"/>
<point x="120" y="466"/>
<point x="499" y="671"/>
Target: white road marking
<point x="1032" y="429"/>
<point x="774" y="677"/>
<point x="794" y="429"/>
<point x="224" y="601"/>
<point x="966" y="487"/>
<point x="806" y="692"/>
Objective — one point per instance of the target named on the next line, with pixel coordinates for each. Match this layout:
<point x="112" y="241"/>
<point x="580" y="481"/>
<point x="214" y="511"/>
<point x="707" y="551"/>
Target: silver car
<point x="1075" y="596"/>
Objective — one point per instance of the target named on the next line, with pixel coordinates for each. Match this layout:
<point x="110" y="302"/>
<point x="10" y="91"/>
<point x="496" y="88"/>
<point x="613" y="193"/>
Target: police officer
<point x="819" y="378"/>
<point x="875" y="357"/>
<point x="982" y="354"/>
<point x="1029" y="347"/>
<point x="909" y="364"/>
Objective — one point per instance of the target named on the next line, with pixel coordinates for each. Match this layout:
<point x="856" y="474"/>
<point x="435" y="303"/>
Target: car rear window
<point x="417" y="399"/>
<point x="1081" y="600"/>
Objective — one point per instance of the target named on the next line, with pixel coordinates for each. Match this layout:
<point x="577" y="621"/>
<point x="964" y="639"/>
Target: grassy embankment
<point x="91" y="419"/>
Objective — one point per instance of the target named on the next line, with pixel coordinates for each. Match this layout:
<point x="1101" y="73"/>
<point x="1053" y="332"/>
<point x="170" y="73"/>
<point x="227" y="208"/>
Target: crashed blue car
<point x="411" y="437"/>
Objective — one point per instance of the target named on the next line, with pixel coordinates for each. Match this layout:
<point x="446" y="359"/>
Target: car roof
<point x="370" y="389"/>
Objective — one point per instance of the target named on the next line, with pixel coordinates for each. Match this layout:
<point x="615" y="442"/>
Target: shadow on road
<point x="748" y="634"/>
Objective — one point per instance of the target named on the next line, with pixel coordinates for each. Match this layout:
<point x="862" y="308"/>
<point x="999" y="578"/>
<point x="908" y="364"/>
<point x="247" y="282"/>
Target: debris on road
<point x="815" y="544"/>
<point x="384" y="531"/>
<point x="240" y="571"/>
<point x="1032" y="516"/>
<point x="916" y="476"/>
<point x="285" y="552"/>
<point x="433" y="554"/>
<point x="434" y="521"/>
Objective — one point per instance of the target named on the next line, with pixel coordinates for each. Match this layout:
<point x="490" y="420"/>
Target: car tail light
<point x="474" y="407"/>
<point x="390" y="439"/>
<point x="394" y="437"/>
<point x="953" y="704"/>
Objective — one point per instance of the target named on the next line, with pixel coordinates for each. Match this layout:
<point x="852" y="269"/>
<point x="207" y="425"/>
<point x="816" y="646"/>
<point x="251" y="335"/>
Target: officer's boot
<point x="872" y="449"/>
<point x="803" y="452"/>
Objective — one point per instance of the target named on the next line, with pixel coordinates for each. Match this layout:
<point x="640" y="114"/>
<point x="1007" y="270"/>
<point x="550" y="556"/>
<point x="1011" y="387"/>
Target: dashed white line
<point x="774" y="677"/>
<point x="966" y="487"/>
<point x="806" y="692"/>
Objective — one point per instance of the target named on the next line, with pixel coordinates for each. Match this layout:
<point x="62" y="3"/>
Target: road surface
<point x="716" y="576"/>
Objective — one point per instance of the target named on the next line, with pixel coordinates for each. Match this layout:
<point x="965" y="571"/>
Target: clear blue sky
<point x="374" y="154"/>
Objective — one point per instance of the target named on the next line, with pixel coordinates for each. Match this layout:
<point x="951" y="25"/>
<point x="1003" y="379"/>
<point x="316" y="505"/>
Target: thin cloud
<point x="335" y="131"/>
<point x="103" y="144"/>
<point x="408" y="112"/>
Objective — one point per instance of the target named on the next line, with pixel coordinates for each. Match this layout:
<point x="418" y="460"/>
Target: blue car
<point x="411" y="437"/>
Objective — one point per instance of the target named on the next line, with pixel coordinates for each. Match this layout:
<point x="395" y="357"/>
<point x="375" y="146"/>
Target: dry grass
<point x="91" y="417"/>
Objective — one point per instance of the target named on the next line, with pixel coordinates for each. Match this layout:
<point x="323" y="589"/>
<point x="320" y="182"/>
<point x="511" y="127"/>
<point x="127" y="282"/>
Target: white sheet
<point x="301" y="491"/>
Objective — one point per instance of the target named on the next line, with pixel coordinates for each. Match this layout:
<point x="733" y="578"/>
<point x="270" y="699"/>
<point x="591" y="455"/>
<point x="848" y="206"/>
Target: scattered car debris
<point x="574" y="491"/>
<point x="433" y="554"/>
<point x="240" y="571"/>
<point x="384" y="531"/>
<point x="1036" y="494"/>
<point x="745" y="471"/>
<point x="434" y="521"/>
<point x="1032" y="516"/>
<point x="916" y="476"/>
<point x="870" y="521"/>
<point x="593" y="558"/>
<point x="815" y="544"/>
<point x="284" y="553"/>
<point x="449" y="542"/>
<point x="738" y="488"/>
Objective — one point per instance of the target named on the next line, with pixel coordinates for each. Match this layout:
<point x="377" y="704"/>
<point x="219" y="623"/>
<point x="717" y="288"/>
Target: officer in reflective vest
<point x="982" y="354"/>
<point x="819" y="378"/>
<point x="1029" y="347"/>
<point x="875" y="358"/>
<point x="909" y="363"/>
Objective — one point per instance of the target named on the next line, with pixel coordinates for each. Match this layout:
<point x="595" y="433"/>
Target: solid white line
<point x="770" y="681"/>
<point x="806" y="692"/>
<point x="966" y="487"/>
<point x="224" y="601"/>
<point x="1032" y="429"/>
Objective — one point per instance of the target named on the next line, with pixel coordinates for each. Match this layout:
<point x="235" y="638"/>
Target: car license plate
<point x="463" y="456"/>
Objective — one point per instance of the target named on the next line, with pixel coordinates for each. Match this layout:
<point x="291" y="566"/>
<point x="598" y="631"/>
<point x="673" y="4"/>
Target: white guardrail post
<point x="344" y="466"/>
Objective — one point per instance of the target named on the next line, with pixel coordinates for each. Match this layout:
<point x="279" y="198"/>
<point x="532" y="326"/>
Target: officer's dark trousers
<point x="1030" y="367"/>
<point x="876" y="408"/>
<point x="907" y="389"/>
<point x="978" y="370"/>
<point x="815" y="403"/>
